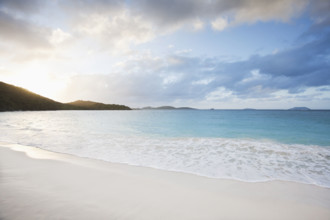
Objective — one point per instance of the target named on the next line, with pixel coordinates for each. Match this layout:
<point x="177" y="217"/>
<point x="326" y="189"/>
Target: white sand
<point x="37" y="184"/>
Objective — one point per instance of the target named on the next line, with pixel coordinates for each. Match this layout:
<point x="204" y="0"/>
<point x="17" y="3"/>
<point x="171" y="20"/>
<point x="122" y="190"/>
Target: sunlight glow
<point x="37" y="80"/>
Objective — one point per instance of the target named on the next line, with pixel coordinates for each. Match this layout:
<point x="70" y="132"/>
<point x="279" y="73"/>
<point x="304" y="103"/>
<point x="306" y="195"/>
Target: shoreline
<point x="39" y="184"/>
<point x="40" y="153"/>
<point x="267" y="178"/>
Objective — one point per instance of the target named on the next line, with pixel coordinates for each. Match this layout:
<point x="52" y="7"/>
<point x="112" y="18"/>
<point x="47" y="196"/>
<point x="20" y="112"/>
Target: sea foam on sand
<point x="39" y="184"/>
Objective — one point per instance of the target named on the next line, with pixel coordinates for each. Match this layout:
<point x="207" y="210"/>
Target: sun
<point x="42" y="85"/>
<point x="39" y="81"/>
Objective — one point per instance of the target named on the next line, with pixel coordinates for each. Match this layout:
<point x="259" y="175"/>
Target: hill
<point x="249" y="109"/>
<point x="13" y="98"/>
<point x="89" y="105"/>
<point x="299" y="109"/>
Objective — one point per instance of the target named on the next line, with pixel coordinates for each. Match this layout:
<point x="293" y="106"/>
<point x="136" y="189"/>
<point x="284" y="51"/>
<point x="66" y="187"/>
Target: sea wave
<point x="248" y="160"/>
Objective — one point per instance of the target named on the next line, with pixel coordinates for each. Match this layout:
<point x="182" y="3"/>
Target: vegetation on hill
<point x="13" y="98"/>
<point x="89" y="105"/>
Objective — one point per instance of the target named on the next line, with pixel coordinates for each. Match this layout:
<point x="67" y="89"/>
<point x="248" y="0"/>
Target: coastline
<point x="39" y="184"/>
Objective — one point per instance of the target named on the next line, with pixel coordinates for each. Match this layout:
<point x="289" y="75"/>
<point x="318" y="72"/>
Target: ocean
<point x="245" y="145"/>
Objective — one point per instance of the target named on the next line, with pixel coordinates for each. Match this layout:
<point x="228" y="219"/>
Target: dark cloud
<point x="91" y="6"/>
<point x="24" y="6"/>
<point x="306" y="59"/>
<point x="319" y="13"/>
<point x="174" y="12"/>
<point x="170" y="12"/>
<point x="292" y="69"/>
<point x="22" y="32"/>
<point x="319" y="10"/>
<point x="31" y="6"/>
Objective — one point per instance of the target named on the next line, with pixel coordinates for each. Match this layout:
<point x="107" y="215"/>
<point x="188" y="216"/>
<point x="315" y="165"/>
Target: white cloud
<point x="198" y="25"/>
<point x="203" y="81"/>
<point x="174" y="61"/>
<point x="219" y="24"/>
<point x="254" y="77"/>
<point x="172" y="78"/>
<point x="185" y="51"/>
<point x="115" y="32"/>
<point x="221" y="93"/>
<point x="58" y="36"/>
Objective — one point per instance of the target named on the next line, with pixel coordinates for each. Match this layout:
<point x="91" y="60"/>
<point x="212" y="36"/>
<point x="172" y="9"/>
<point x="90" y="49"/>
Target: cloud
<point x="179" y="78"/>
<point x="219" y="24"/>
<point x="82" y="7"/>
<point x="198" y="25"/>
<point x="250" y="11"/>
<point x="23" y="6"/>
<point x="117" y="25"/>
<point x="294" y="70"/>
<point x="114" y="26"/>
<point x="115" y="32"/>
<point x="179" y="13"/>
<point x="169" y="13"/>
<point x="320" y="12"/>
<point x="22" y="32"/>
<point x="310" y="59"/>
<point x="58" y="36"/>
<point x="107" y="25"/>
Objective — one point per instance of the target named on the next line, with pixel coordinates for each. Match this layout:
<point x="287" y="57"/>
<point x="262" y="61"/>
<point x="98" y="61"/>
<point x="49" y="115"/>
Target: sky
<point x="198" y="53"/>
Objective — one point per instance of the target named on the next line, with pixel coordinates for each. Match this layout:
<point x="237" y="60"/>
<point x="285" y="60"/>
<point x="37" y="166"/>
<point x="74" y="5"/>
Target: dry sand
<point x="38" y="184"/>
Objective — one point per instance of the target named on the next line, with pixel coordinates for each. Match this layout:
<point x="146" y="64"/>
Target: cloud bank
<point x="91" y="46"/>
<point x="175" y="78"/>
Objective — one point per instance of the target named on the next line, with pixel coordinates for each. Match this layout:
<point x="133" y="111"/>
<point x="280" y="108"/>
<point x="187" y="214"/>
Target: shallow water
<point x="245" y="145"/>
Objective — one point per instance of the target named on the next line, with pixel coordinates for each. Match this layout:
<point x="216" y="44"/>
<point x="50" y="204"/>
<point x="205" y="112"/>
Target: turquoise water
<point x="293" y="127"/>
<point x="248" y="146"/>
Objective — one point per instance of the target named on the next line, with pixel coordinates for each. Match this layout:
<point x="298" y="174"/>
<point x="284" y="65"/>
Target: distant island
<point x="13" y="98"/>
<point x="167" y="108"/>
<point x="249" y="109"/>
<point x="299" y="109"/>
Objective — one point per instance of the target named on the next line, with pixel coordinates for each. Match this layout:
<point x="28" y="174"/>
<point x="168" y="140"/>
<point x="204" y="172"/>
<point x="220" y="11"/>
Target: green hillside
<point x="13" y="98"/>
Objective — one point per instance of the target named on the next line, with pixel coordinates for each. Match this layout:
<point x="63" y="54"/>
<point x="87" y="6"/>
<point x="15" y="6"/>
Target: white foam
<point x="246" y="160"/>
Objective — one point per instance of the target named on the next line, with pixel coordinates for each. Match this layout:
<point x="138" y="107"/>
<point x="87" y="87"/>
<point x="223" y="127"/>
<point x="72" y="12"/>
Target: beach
<point x="39" y="184"/>
<point x="173" y="110"/>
